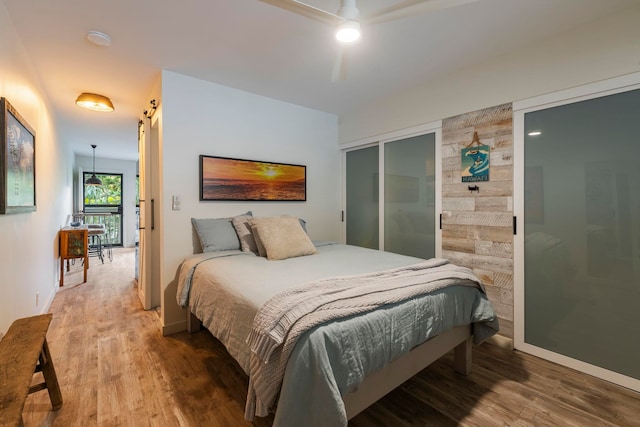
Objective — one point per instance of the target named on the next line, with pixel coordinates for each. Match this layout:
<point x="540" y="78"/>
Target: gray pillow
<point x="217" y="234"/>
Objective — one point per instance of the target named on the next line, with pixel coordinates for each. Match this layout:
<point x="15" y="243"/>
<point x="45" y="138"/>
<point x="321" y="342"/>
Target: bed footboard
<point x="378" y="384"/>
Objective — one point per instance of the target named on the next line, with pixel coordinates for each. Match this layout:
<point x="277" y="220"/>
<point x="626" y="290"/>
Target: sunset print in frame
<point x="223" y="178"/>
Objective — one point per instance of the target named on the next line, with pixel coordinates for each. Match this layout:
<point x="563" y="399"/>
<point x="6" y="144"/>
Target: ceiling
<point x="256" y="47"/>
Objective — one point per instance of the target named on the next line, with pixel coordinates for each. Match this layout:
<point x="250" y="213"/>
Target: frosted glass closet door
<point x="362" y="198"/>
<point x="409" y="196"/>
<point x="582" y="231"/>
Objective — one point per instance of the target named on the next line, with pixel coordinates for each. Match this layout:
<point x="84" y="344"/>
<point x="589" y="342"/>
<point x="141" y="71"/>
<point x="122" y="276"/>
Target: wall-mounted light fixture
<point x="94" y="102"/>
<point x="93" y="180"/>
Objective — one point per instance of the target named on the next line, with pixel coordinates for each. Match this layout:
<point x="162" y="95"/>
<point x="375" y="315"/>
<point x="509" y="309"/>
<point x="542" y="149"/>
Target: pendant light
<point x="94" y="180"/>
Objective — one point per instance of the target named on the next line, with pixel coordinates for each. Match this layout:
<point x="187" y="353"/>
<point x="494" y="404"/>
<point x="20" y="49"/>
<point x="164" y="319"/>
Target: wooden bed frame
<point x="379" y="383"/>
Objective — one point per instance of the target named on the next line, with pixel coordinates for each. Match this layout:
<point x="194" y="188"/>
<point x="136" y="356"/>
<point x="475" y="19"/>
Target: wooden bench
<point x="24" y="352"/>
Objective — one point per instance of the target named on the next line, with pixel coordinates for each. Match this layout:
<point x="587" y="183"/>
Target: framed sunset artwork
<point x="224" y="178"/>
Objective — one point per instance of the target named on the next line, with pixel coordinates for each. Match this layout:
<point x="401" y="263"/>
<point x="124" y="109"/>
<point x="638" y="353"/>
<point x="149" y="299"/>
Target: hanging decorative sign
<point x="475" y="161"/>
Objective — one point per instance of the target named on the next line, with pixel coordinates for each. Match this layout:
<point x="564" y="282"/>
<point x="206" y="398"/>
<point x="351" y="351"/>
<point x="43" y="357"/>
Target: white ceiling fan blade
<point x="306" y="10"/>
<point x="340" y="66"/>
<point x="407" y="8"/>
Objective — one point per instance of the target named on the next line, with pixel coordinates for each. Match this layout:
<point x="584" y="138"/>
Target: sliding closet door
<point x="391" y="193"/>
<point x="582" y="231"/>
<point x="409" y="196"/>
<point x="362" y="197"/>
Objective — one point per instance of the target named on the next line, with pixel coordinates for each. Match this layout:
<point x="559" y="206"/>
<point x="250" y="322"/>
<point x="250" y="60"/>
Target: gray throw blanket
<point x="285" y="317"/>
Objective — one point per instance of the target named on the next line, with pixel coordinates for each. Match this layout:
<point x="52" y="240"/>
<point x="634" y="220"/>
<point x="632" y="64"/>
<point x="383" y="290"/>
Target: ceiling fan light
<point x="348" y="32"/>
<point x="94" y="102"/>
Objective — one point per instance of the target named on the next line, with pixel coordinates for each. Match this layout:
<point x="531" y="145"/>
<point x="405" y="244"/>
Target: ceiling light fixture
<point x="99" y="38"/>
<point x="94" y="102"/>
<point x="534" y="133"/>
<point x="93" y="180"/>
<point x="348" y="31"/>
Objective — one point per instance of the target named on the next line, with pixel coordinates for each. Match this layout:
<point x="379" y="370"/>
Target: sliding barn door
<point x="581" y="207"/>
<point x="143" y="265"/>
<point x="149" y="242"/>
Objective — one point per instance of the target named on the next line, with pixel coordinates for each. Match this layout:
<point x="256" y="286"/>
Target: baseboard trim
<point x="501" y="341"/>
<point x="174" y="328"/>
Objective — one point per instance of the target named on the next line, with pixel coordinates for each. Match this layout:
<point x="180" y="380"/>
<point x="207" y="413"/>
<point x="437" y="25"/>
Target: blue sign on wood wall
<point x="475" y="161"/>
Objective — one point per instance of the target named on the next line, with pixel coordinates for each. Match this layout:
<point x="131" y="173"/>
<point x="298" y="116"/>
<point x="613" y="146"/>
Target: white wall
<point x="204" y="118"/>
<point x="602" y="49"/>
<point x="128" y="169"/>
<point x="29" y="242"/>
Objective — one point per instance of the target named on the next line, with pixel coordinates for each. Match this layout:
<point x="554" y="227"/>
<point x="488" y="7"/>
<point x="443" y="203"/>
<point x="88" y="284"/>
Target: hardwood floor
<point x="116" y="369"/>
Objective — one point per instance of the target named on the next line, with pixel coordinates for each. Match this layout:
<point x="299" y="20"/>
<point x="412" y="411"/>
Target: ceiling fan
<point x="347" y="20"/>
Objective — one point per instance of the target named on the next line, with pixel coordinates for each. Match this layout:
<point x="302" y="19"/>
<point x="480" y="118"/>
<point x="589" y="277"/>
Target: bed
<point x="328" y="350"/>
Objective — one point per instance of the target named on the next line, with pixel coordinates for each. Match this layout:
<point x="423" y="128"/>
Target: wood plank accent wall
<point x="477" y="227"/>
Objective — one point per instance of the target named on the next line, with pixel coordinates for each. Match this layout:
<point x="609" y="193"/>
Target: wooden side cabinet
<point x="74" y="243"/>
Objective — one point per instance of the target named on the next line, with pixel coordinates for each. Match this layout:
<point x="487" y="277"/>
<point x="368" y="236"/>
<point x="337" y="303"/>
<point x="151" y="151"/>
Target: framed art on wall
<point x="475" y="159"/>
<point x="223" y="178"/>
<point x="17" y="162"/>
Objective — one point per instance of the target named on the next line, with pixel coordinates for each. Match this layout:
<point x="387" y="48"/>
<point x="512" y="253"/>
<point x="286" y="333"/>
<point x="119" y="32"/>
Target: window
<point x="103" y="205"/>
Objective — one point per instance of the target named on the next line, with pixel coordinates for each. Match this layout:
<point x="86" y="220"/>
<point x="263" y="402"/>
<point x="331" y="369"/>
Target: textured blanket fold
<point x="284" y="318"/>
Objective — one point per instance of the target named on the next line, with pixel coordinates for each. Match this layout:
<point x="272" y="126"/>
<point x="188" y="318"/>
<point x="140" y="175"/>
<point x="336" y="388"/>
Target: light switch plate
<point x="175" y="203"/>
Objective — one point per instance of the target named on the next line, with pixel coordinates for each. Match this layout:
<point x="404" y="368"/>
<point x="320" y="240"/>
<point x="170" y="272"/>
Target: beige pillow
<point x="282" y="237"/>
<point x="261" y="250"/>
<point x="243" y="230"/>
